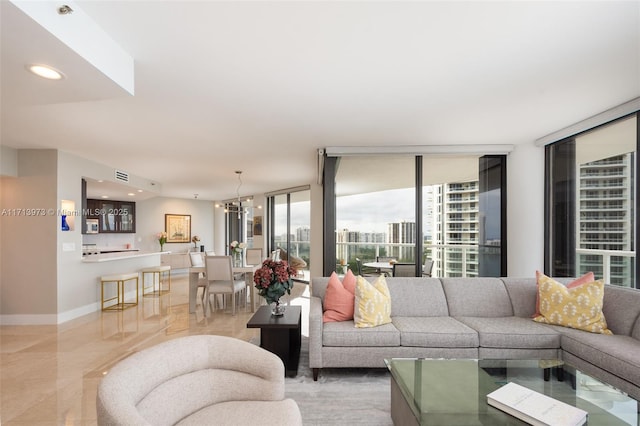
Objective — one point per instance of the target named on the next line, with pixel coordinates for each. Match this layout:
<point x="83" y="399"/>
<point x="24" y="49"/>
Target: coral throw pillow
<point x="579" y="307"/>
<point x="373" y="303"/>
<point x="339" y="298"/>
<point x="586" y="278"/>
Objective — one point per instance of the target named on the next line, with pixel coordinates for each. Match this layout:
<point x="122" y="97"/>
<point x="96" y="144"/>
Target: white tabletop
<point x="378" y="265"/>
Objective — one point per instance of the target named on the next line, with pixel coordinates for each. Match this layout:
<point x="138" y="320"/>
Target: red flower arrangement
<point x="274" y="279"/>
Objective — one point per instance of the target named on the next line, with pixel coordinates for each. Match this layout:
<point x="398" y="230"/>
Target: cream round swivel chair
<point x="197" y="380"/>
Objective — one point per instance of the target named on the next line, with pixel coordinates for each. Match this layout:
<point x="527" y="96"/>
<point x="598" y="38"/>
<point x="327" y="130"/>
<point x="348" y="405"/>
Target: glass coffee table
<point x="454" y="392"/>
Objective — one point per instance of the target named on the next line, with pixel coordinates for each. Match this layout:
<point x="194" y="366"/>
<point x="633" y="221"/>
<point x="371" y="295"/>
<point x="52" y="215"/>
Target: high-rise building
<point x="401" y="233"/>
<point x="605" y="216"/>
<point x="455" y="222"/>
<point x="303" y="233"/>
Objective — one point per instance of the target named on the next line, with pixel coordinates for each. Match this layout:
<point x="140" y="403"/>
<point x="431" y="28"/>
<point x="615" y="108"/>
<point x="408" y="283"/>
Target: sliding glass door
<point x="289" y="216"/>
<point x="459" y="200"/>
<point x="375" y="211"/>
<point x="590" y="214"/>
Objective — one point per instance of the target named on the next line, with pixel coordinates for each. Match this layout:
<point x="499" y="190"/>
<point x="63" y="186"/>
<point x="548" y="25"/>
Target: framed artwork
<point x="257" y="225"/>
<point x="178" y="228"/>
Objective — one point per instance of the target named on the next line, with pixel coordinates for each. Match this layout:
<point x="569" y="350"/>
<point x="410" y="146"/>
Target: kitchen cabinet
<point x="92" y="209"/>
<point x="116" y="217"/>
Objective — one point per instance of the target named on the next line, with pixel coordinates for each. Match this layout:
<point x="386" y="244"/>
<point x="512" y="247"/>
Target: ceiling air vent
<point x="122" y="176"/>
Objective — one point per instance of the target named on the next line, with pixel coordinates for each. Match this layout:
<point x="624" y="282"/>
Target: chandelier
<point x="236" y="206"/>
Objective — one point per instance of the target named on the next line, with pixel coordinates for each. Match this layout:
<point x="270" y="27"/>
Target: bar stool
<point x="155" y="271"/>
<point x="119" y="280"/>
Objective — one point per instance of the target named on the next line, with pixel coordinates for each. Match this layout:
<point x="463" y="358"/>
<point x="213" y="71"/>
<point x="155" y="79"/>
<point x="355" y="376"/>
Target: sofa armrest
<point x="315" y="333"/>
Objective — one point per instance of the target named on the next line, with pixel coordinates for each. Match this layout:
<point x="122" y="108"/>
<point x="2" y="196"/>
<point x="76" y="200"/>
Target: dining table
<point x="194" y="276"/>
<point x="379" y="266"/>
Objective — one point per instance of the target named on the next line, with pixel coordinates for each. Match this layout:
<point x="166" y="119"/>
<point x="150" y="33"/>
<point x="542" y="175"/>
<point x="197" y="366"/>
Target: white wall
<point x="150" y="221"/>
<point x="28" y="263"/>
<point x="525" y="210"/>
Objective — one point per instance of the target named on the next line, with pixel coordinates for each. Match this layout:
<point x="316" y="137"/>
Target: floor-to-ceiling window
<point x="590" y="220"/>
<point x="463" y="199"/>
<point x="375" y="210"/>
<point x="289" y="219"/>
<point x="459" y="201"/>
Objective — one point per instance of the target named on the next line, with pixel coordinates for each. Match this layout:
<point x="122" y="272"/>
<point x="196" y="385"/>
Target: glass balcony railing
<point x="450" y="260"/>
<point x="616" y="267"/>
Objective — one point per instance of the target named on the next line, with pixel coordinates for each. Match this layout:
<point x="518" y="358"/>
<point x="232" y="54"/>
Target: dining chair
<point x="427" y="267"/>
<point x="221" y="281"/>
<point x="197" y="260"/>
<point x="275" y="255"/>
<point x="254" y="256"/>
<point x="362" y="271"/>
<point x="404" y="269"/>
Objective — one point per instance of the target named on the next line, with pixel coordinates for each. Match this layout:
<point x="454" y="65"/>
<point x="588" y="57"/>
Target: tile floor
<point x="49" y="374"/>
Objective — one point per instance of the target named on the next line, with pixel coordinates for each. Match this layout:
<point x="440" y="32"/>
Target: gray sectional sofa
<point x="484" y="318"/>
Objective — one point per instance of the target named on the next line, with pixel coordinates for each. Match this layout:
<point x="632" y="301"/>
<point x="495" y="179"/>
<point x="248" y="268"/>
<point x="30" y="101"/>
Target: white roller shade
<point x="615" y="139"/>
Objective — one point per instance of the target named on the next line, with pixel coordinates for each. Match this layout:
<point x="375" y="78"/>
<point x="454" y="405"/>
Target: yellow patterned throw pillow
<point x="579" y="307"/>
<point x="373" y="303"/>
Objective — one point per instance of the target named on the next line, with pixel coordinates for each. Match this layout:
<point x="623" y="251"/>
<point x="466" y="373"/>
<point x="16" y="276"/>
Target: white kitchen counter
<point x="108" y="257"/>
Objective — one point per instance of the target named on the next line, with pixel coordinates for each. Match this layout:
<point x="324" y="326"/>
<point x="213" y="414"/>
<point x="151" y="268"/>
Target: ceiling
<point x="261" y="86"/>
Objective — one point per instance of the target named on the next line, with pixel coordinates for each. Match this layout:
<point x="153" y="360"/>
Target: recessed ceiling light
<point x="139" y="190"/>
<point x="45" y="71"/>
<point x="105" y="196"/>
<point x="131" y="194"/>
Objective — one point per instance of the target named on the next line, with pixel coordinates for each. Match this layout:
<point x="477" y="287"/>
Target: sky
<point x="373" y="211"/>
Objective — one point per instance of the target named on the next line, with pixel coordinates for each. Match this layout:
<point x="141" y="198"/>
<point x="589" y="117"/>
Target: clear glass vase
<point x="277" y="309"/>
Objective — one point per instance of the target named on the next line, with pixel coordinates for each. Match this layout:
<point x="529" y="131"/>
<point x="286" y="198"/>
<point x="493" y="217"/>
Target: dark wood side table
<point x="281" y="335"/>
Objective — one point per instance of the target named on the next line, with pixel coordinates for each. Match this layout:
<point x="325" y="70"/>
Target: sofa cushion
<point x="435" y="332"/>
<point x="616" y="354"/>
<point x="512" y="332"/>
<point x="579" y="307"/>
<point x="635" y="332"/>
<point x="621" y="308"/>
<point x="586" y="278"/>
<point x="344" y="333"/>
<point x="372" y="304"/>
<point x="522" y="293"/>
<point x="339" y="298"/>
<point x="417" y="297"/>
<point x="477" y="297"/>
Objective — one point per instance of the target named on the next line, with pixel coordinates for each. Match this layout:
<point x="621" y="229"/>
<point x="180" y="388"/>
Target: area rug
<point x="341" y="396"/>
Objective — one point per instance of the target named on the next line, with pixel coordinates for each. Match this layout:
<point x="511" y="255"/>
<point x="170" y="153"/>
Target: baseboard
<point x="49" y="319"/>
<point x="29" y="319"/>
<point x="78" y="312"/>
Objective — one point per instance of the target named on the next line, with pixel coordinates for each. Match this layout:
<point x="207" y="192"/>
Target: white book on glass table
<point x="535" y="408"/>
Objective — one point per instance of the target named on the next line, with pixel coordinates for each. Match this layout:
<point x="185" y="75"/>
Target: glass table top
<point x="440" y="391"/>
